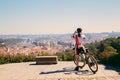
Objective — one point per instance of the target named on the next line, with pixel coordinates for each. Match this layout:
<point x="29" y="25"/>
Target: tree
<point x="108" y="52"/>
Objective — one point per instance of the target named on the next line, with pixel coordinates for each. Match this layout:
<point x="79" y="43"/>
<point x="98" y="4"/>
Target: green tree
<point x="108" y="52"/>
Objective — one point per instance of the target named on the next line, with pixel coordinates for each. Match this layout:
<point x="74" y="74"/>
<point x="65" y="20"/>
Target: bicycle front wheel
<point x="92" y="63"/>
<point x="79" y="61"/>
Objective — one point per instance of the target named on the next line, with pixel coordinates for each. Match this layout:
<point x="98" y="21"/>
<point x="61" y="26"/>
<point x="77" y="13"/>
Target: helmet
<point x="79" y="30"/>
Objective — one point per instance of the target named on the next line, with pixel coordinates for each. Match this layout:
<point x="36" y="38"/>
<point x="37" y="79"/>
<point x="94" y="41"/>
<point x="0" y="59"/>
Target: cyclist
<point x="78" y="36"/>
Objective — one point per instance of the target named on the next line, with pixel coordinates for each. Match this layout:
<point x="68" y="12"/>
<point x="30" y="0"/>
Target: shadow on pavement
<point x="108" y="67"/>
<point x="52" y="72"/>
<point x="69" y="71"/>
<point x="40" y="64"/>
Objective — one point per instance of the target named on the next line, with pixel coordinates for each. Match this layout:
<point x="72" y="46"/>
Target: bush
<point x="6" y="58"/>
<point x="65" y="56"/>
<point x="114" y="60"/>
<point x="44" y="54"/>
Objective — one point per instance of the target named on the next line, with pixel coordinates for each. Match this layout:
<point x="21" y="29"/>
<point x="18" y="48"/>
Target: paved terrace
<point x="61" y="71"/>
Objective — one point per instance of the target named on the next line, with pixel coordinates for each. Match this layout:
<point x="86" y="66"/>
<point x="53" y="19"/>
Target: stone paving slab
<point x="61" y="71"/>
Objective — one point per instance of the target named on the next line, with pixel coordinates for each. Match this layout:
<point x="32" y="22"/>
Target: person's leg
<point x="77" y="60"/>
<point x="84" y="49"/>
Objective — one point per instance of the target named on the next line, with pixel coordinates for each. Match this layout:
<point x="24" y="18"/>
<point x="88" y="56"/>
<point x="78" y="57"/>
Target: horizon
<point x="63" y="33"/>
<point x="58" y="16"/>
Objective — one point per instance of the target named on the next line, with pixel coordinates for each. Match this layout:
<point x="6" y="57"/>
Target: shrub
<point x="7" y="58"/>
<point x="65" y="56"/>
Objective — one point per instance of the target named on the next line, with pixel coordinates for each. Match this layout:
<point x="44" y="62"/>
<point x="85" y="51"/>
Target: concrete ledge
<point x="46" y="59"/>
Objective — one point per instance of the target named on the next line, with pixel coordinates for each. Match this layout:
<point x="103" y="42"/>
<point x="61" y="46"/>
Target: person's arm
<point x="73" y="35"/>
<point x="83" y="36"/>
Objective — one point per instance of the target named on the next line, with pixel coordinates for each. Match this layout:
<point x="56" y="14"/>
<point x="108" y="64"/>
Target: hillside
<point x="10" y="41"/>
<point x="107" y="51"/>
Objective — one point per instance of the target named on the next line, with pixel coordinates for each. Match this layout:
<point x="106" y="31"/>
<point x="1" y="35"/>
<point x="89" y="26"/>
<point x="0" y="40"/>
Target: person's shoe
<point x="76" y="68"/>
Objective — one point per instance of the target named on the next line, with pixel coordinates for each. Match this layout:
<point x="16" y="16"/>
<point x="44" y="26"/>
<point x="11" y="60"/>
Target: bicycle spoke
<point x="92" y="63"/>
<point x="81" y="61"/>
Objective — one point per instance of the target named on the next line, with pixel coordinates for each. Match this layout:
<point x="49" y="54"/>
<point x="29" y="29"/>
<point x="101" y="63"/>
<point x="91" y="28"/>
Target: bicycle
<point x="86" y="58"/>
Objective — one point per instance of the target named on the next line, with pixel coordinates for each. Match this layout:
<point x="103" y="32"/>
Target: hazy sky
<point x="58" y="16"/>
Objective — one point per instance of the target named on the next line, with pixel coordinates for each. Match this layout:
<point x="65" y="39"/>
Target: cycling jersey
<point x="78" y="41"/>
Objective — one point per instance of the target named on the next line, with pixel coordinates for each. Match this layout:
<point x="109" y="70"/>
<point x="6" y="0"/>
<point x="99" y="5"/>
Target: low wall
<point x="46" y="59"/>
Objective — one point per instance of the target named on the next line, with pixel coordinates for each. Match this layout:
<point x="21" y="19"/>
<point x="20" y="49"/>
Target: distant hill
<point x="102" y="36"/>
<point x="10" y="41"/>
<point x="14" y="39"/>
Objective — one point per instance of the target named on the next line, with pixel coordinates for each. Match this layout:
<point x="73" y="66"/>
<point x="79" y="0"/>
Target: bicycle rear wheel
<point x="92" y="63"/>
<point x="81" y="61"/>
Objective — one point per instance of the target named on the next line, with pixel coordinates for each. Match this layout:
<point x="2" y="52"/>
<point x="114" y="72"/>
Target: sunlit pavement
<point x="61" y="71"/>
